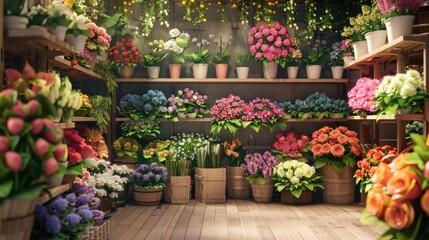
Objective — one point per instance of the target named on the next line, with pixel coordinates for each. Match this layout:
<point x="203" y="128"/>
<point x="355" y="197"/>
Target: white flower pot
<point x="399" y="26"/>
<point x="59" y="32"/>
<point x="292" y="72"/>
<point x="191" y="115"/>
<point x="348" y="59"/>
<point x="313" y="71"/>
<point x="270" y="70"/>
<point x="376" y="39"/>
<point x="153" y="71"/>
<point x="103" y="56"/>
<point x="78" y="42"/>
<point x="360" y="48"/>
<point x="337" y="72"/>
<point x="44" y="28"/>
<point x="15" y="22"/>
<point x="242" y="72"/>
<point x="200" y="70"/>
<point x="181" y="115"/>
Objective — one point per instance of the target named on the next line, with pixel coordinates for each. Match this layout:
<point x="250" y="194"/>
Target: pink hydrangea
<point x="362" y="95"/>
<point x="227" y="108"/>
<point x="262" y="109"/>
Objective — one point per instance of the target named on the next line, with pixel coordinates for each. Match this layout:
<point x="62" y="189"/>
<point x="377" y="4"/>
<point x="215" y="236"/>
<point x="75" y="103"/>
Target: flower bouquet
<point x="294" y="59"/>
<point x="368" y="165"/>
<point x="188" y="103"/>
<point x="337" y="147"/>
<point x="94" y="138"/>
<point x="357" y="29"/>
<point x="98" y="40"/>
<point x="77" y="31"/>
<point x="65" y="99"/>
<point x="392" y="8"/>
<point x="141" y="128"/>
<point x="58" y="16"/>
<point x="177" y="44"/>
<point x="124" y="55"/>
<point x="401" y="91"/>
<point x="226" y="114"/>
<point x="361" y="96"/>
<point x="126" y="147"/>
<point x="153" y="59"/>
<point x="80" y="154"/>
<point x="235" y="152"/>
<point x="289" y="145"/>
<point x="262" y="113"/>
<point x="157" y="151"/>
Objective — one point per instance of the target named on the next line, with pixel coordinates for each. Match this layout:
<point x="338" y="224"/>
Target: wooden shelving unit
<point x="53" y="192"/>
<point x="69" y="125"/>
<point x="232" y="80"/>
<point x="84" y="119"/>
<point x="291" y="120"/>
<point x="74" y="72"/>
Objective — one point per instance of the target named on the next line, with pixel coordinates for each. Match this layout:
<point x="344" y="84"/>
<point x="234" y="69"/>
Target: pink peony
<point x="270" y="38"/>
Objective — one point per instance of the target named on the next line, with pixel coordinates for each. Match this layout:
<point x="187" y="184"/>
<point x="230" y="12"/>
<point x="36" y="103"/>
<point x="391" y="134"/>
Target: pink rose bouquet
<point x="270" y="43"/>
<point x="361" y="96"/>
<point x="290" y="145"/>
<point x="98" y="39"/>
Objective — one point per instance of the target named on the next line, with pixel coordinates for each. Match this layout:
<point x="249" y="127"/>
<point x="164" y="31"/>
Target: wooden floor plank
<point x="241" y="205"/>
<point x="209" y="215"/>
<point x="275" y="227"/>
<point x="287" y="227"/>
<point x="179" y="231"/>
<point x="173" y="223"/>
<point x="249" y="226"/>
<point x="147" y="227"/>
<point x="231" y="209"/>
<point x="235" y="230"/>
<point x="135" y="227"/>
<point x="221" y="222"/>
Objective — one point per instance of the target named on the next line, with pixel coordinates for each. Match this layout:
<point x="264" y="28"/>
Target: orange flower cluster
<point x="368" y="165"/>
<point x="235" y="152"/>
<point x="336" y="142"/>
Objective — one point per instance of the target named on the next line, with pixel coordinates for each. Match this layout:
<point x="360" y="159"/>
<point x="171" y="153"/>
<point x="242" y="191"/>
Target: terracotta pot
<point x="242" y="72"/>
<point x="305" y="198"/>
<point x="237" y="186"/>
<point x="399" y="26"/>
<point x="270" y="70"/>
<point x="127" y="71"/>
<point x="147" y="196"/>
<point x="292" y="72"/>
<point x="15" y="22"/>
<point x="262" y="193"/>
<point x="339" y="186"/>
<point x="221" y="70"/>
<point x="175" y="70"/>
<point x="59" y="32"/>
<point x="78" y="42"/>
<point x="313" y="71"/>
<point x="376" y="39"/>
<point x="200" y="70"/>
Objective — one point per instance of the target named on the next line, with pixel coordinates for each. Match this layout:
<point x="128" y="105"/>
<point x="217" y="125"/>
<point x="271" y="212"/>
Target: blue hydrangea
<point x="146" y="97"/>
<point x="151" y="93"/>
<point x="71" y="220"/>
<point x="155" y="101"/>
<point x="86" y="215"/>
<point x="52" y="224"/>
<point x="58" y="205"/>
<point x="148" y="107"/>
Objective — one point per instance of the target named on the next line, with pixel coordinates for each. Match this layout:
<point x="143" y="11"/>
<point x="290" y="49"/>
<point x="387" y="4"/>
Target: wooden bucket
<point x="210" y="185"/>
<point x="262" y="193"/>
<point x="178" y="189"/>
<point x="305" y="198"/>
<point x="130" y="162"/>
<point x="105" y="206"/>
<point x="17" y="218"/>
<point x="237" y="186"/>
<point x="339" y="186"/>
<point x="147" y="196"/>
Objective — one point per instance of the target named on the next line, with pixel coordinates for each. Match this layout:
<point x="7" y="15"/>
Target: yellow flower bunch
<point x="85" y="101"/>
<point x="221" y="9"/>
<point x="369" y="20"/>
<point x="198" y="6"/>
<point x="125" y="7"/>
<point x="126" y="147"/>
<point x="265" y="9"/>
<point x="243" y="8"/>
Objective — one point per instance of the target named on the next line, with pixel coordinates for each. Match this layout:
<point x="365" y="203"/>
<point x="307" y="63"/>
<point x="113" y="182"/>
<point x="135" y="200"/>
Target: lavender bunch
<point x="259" y="167"/>
<point x="151" y="176"/>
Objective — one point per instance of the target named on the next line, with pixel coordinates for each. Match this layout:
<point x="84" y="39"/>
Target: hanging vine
<point x="195" y="6"/>
<point x="243" y="8"/>
<point x="125" y="7"/>
<point x="289" y="13"/>
<point x="152" y="11"/>
<point x="265" y="10"/>
<point x="221" y="8"/>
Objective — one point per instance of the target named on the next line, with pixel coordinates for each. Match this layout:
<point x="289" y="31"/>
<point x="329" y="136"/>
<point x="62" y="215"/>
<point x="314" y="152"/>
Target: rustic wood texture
<point x="241" y="219"/>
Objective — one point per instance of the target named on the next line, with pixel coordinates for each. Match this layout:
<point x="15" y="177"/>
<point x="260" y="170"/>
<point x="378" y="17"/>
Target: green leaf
<point x="255" y="127"/>
<point x="368" y="219"/>
<point x="337" y="165"/>
<point x="232" y="128"/>
<point x="297" y="192"/>
<point x="280" y="188"/>
<point x="75" y="169"/>
<point x="414" y="158"/>
<point x="419" y="140"/>
<point x="262" y="180"/>
<point x="319" y="163"/>
<point x="246" y="123"/>
<point x="6" y="188"/>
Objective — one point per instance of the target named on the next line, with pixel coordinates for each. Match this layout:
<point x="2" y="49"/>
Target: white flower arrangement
<point x="58" y="15"/>
<point x="177" y="44"/>
<point x="108" y="184"/>
<point x="184" y="145"/>
<point x="78" y="24"/>
<point x="37" y="15"/>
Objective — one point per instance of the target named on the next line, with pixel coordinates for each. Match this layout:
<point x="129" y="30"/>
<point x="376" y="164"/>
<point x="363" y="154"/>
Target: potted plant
<point x="37" y="17"/>
<point x="13" y="18"/>
<point x="126" y="151"/>
<point x="375" y="30"/>
<point x="243" y="61"/>
<point x="178" y="189"/>
<point x="293" y="60"/>
<point x="399" y="15"/>
<point x="356" y="32"/>
<point x="335" y="152"/>
<point x="157" y="151"/>
<point x="338" y="108"/>
<point x="77" y="31"/>
<point x="316" y="57"/>
<point x="237" y="186"/>
<point x="176" y="46"/>
<point x="296" y="181"/>
<point x="200" y="58"/>
<point x="259" y="169"/>
<point x="141" y="128"/>
<point x="65" y="99"/>
<point x="125" y="57"/>
<point x="361" y="96"/>
<point x="189" y="104"/>
<point x="290" y="146"/>
<point x="98" y="42"/>
<point x="148" y="183"/>
<point x="347" y="51"/>
<point x="265" y="49"/>
<point x="152" y="61"/>
<point x="221" y="59"/>
<point x="58" y="20"/>
<point x="336" y="61"/>
<point x="262" y="113"/>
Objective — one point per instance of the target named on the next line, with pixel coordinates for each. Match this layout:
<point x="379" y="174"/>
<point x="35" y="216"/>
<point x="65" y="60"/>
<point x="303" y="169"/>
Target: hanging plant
<point x="125" y="7"/>
<point x="265" y="10"/>
<point x="221" y="8"/>
<point x="192" y="6"/>
<point x="325" y="21"/>
<point x="100" y="111"/>
<point x="152" y="11"/>
<point x="105" y="70"/>
<point x="317" y="21"/>
<point x="289" y="13"/>
<point x="242" y="7"/>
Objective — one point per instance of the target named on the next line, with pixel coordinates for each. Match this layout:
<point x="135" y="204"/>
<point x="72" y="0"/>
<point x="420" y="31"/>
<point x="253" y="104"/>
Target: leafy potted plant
<point x="157" y="151"/>
<point x="375" y="30"/>
<point x="200" y="58"/>
<point x="293" y="60"/>
<point x="296" y="181"/>
<point x="221" y="58"/>
<point x="176" y="46"/>
<point x="237" y="186"/>
<point x="58" y="20"/>
<point x="243" y="61"/>
<point x="125" y="57"/>
<point x="13" y="18"/>
<point x="316" y="57"/>
<point x="189" y="104"/>
<point x="126" y="151"/>
<point x="37" y="16"/>
<point x="178" y="189"/>
<point x="77" y="31"/>
<point x="336" y="61"/>
<point x="148" y="183"/>
<point x="141" y="128"/>
<point x="152" y="61"/>
<point x="356" y="32"/>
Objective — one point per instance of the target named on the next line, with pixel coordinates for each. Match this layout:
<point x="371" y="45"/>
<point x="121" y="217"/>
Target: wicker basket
<point x="99" y="231"/>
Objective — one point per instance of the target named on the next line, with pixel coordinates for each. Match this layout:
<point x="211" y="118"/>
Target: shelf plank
<point x="410" y="117"/>
<point x="390" y="51"/>
<point x="23" y="40"/>
<point x="74" y="72"/>
<point x="232" y="80"/>
<point x="69" y="125"/>
<point x="84" y="119"/>
<point x="400" y="117"/>
<point x="124" y="119"/>
<point x="55" y="191"/>
<point x="291" y="120"/>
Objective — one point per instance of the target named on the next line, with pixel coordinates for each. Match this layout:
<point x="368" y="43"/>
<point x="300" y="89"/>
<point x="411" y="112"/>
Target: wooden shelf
<point x="23" y="40"/>
<point x="69" y="125"/>
<point x="232" y="80"/>
<point x="391" y="51"/>
<point x="55" y="191"/>
<point x="124" y="119"/>
<point x="84" y="119"/>
<point x="291" y="120"/>
<point x="74" y="72"/>
<point x="296" y="120"/>
<point x="400" y="117"/>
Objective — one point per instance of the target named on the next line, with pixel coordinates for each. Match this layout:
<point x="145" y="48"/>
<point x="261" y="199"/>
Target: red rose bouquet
<point x="338" y="147"/>
<point x="289" y="146"/>
<point x="125" y="53"/>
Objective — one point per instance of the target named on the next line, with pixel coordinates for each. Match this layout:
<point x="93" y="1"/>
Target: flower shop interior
<point x="214" y="119"/>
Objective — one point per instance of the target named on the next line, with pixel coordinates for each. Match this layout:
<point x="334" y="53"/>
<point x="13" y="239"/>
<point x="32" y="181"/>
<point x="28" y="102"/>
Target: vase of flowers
<point x="237" y="186"/>
<point x="270" y="45"/>
<point x="293" y="60"/>
<point x="347" y="51"/>
<point x="98" y="42"/>
<point x="77" y="31"/>
<point x="58" y="20"/>
<point x="37" y="16"/>
<point x="176" y="46"/>
<point x="290" y="146"/>
<point x="296" y="181"/>
<point x="335" y="152"/>
<point x="361" y="96"/>
<point x="317" y="56"/>
<point x="221" y="59"/>
<point x="200" y="58"/>
<point x="148" y="183"/>
<point x="336" y="61"/>
<point x="243" y="61"/>
<point x="259" y="169"/>
<point x="125" y="57"/>
<point x="13" y="18"/>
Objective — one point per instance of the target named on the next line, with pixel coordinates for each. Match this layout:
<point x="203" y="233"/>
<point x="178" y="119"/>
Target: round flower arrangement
<point x="98" y="39"/>
<point x="262" y="112"/>
<point x="337" y="147"/>
<point x="151" y="176"/>
<point x="289" y="145"/>
<point x="126" y="147"/>
<point x="259" y="166"/>
<point x="226" y="114"/>
<point x="157" y="151"/>
<point x="177" y="44"/>
<point x="361" y="96"/>
<point x="270" y="43"/>
<point x="188" y="101"/>
<point x="124" y="53"/>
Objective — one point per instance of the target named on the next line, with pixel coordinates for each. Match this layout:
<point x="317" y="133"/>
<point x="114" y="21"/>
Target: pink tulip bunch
<point x="362" y="95"/>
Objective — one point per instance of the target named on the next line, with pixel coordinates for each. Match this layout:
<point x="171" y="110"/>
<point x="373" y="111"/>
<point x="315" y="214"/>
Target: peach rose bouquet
<point x="337" y="147"/>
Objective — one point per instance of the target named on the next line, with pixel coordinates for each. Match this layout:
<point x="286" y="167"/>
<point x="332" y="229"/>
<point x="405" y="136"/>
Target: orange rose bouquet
<point x="400" y="196"/>
<point x="337" y="147"/>
<point x="368" y="165"/>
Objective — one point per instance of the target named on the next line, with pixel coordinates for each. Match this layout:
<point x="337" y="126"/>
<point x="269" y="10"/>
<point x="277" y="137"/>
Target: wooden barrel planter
<point x="210" y="185"/>
<point x="339" y="186"/>
<point x="178" y="189"/>
<point x="305" y="198"/>
<point x="17" y="219"/>
<point x="237" y="186"/>
<point x="147" y="196"/>
<point x="105" y="206"/>
<point x="262" y="193"/>
<point x="130" y="162"/>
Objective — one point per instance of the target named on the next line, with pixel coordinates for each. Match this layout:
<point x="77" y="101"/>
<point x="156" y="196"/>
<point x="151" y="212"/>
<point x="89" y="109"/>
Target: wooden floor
<point x="241" y="219"/>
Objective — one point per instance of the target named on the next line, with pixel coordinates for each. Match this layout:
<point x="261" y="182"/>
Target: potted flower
<point x="157" y="151"/>
<point x="141" y="128"/>
<point x="221" y="59"/>
<point x="338" y="108"/>
<point x="125" y="57"/>
<point x="178" y="189"/>
<point x="316" y="57"/>
<point x="152" y="61"/>
<point x="356" y="32"/>
<point x="65" y="99"/>
<point x="290" y="146"/>
<point x="200" y="58"/>
<point x="148" y="183"/>
<point x="237" y="187"/>
<point x="98" y="42"/>
<point x="293" y="60"/>
<point x="347" y="51"/>
<point x="361" y="96"/>
<point x="77" y="31"/>
<point x="375" y="30"/>
<point x="226" y="114"/>
<point x="262" y="113"/>
<point x="404" y="92"/>
<point x="126" y="151"/>
<point x="335" y="152"/>
<point x="37" y="17"/>
<point x="336" y="61"/>
<point x="58" y="20"/>
<point x="399" y="15"/>
<point x="189" y="104"/>
<point x="270" y="45"/>
<point x="13" y="18"/>
<point x="296" y="181"/>
<point x="259" y="169"/>
<point x="243" y="61"/>
<point x="176" y="46"/>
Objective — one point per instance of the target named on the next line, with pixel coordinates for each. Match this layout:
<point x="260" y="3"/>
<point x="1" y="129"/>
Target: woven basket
<point x="98" y="232"/>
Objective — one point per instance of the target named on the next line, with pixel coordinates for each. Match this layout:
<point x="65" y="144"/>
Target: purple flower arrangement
<point x="152" y="176"/>
<point x="259" y="166"/>
<point x="361" y="96"/>
<point x="189" y="101"/>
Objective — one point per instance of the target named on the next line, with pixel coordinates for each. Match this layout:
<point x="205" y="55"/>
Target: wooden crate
<point x="210" y="185"/>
